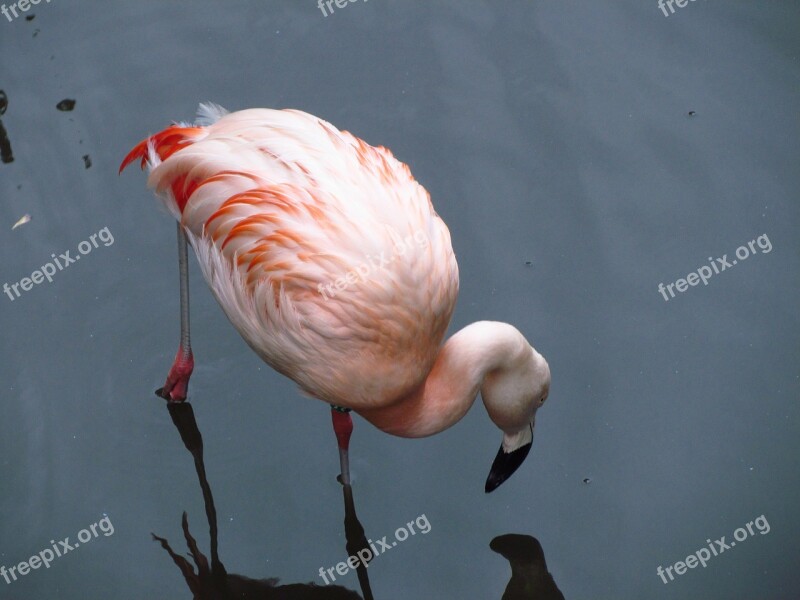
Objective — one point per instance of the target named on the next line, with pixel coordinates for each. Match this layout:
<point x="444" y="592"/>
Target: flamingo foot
<point x="176" y="387"/>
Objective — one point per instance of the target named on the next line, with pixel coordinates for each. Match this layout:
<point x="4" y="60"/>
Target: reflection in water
<point x="530" y="579"/>
<point x="213" y="582"/>
<point x="356" y="540"/>
<point x="6" y="155"/>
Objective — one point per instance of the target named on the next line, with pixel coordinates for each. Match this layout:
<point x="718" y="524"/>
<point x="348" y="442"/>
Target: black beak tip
<point x="504" y="465"/>
<point x="492" y="483"/>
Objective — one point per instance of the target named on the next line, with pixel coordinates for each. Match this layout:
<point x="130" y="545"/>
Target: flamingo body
<point x="279" y="205"/>
<point x="329" y="259"/>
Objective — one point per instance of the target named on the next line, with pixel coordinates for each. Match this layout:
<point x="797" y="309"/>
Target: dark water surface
<point x="556" y="141"/>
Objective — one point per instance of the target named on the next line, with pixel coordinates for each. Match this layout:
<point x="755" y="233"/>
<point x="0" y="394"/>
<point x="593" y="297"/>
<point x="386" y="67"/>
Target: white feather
<point x="209" y="113"/>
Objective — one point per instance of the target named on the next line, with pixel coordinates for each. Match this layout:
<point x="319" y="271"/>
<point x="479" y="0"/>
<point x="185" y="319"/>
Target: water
<point x="556" y="142"/>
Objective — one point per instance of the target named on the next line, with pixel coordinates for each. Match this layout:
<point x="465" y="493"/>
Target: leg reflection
<point x="212" y="581"/>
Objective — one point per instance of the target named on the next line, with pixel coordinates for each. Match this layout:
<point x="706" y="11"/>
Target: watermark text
<point x="719" y="265"/>
<point x="47" y="270"/>
<point x="372" y="264"/>
<point x="59" y="549"/>
<point x="365" y="555"/>
<point x="22" y="5"/>
<point x="715" y="548"/>
<point x="663" y="4"/>
<point x="321" y="4"/>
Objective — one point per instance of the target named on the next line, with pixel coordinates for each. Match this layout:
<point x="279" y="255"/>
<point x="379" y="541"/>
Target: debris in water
<point x="692" y="113"/>
<point x="587" y="480"/>
<point x="528" y="263"/>
<point x="87" y="162"/>
<point x="66" y="105"/>
<point x="30" y="17"/>
<point x="22" y="221"/>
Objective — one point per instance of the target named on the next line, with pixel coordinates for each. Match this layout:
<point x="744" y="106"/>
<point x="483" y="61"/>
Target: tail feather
<point x="163" y="144"/>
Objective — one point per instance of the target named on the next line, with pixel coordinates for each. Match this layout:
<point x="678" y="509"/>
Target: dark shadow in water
<point x="6" y="155"/>
<point x="356" y="540"/>
<point x="213" y="582"/>
<point x="530" y="579"/>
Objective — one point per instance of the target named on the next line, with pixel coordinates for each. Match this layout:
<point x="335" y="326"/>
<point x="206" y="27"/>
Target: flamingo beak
<point x="505" y="463"/>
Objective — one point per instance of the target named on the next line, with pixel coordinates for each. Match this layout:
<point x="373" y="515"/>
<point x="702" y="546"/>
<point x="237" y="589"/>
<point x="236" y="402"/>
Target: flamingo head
<point x="512" y="396"/>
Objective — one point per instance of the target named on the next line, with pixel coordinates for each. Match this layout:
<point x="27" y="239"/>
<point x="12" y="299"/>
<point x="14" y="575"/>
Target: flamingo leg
<point x="343" y="427"/>
<point x="177" y="384"/>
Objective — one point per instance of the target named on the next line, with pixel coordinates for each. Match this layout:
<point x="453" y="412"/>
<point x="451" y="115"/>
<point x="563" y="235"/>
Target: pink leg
<point x="343" y="427"/>
<point x="177" y="386"/>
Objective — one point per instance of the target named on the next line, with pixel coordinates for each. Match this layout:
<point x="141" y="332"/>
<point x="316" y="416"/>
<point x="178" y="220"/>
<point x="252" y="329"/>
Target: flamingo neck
<point x="479" y="350"/>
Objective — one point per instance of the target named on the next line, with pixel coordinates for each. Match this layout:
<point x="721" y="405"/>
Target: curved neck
<point x="452" y="385"/>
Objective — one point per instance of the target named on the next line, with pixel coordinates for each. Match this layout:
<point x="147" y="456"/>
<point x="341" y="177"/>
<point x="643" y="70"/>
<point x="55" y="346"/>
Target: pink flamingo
<point x="329" y="259"/>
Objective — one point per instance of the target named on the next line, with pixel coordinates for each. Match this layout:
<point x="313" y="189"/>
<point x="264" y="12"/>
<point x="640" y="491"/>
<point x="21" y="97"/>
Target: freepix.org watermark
<point x="321" y="4"/>
<point x="372" y="264"/>
<point x="705" y="272"/>
<point x="22" y="5"/>
<point x="366" y="554"/>
<point x="715" y="548"/>
<point x="59" y="549"/>
<point x="663" y="4"/>
<point x="62" y="261"/>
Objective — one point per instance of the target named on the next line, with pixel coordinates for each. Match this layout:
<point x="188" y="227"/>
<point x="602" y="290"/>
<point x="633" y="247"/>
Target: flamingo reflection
<point x="530" y="579"/>
<point x="210" y="580"/>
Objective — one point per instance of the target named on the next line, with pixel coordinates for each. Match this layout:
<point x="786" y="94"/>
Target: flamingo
<point x="329" y="259"/>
